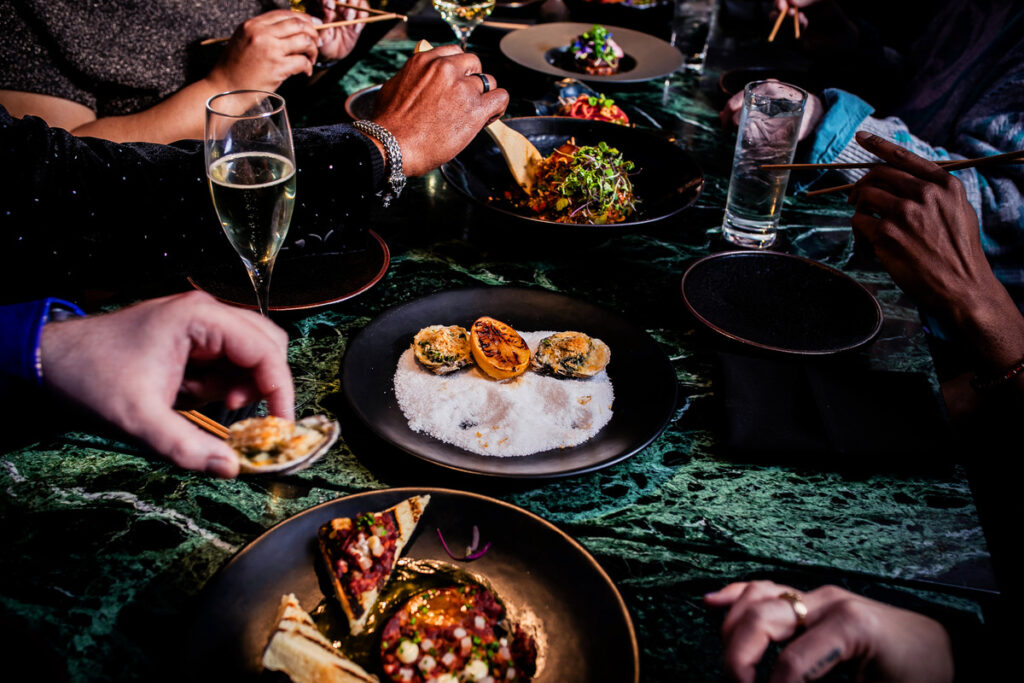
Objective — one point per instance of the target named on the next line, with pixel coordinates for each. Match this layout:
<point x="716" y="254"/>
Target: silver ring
<point x="484" y="80"/>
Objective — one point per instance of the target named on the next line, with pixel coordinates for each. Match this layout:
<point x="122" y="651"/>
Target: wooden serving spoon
<point x="520" y="154"/>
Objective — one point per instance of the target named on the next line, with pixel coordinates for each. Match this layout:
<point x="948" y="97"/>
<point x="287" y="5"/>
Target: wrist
<point x="21" y="342"/>
<point x="994" y="327"/>
<point x="394" y="162"/>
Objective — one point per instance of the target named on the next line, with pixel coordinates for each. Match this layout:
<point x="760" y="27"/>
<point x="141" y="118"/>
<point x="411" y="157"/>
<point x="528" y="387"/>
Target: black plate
<point x="359" y="105"/>
<point x="643" y="379"/>
<point x="304" y="281"/>
<point x="781" y="302"/>
<point x="666" y="180"/>
<point x="539" y="48"/>
<point x="586" y="633"/>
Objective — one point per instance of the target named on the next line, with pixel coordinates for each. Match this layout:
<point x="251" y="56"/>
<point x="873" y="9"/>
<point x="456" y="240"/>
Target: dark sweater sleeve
<point x="88" y="213"/>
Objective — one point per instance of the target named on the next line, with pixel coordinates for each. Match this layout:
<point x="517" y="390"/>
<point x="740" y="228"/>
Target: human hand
<point x="923" y="230"/>
<point x="792" y="7"/>
<point x="891" y="644"/>
<point x="266" y="50"/>
<point x="337" y="42"/>
<point x="435" y="105"/>
<point x="813" y="111"/>
<point x="131" y="367"/>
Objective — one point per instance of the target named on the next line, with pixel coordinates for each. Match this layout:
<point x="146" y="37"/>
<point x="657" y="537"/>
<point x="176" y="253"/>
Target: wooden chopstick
<point x="386" y="16"/>
<point x="504" y="24"/>
<point x="796" y="24"/>
<point x="946" y="164"/>
<point x="212" y="426"/>
<point x="778" y="24"/>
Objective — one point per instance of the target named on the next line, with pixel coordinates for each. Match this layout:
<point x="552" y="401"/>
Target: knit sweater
<point x="114" y="57"/>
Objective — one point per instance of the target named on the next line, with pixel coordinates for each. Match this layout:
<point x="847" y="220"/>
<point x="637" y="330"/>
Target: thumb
<point x="184" y="444"/>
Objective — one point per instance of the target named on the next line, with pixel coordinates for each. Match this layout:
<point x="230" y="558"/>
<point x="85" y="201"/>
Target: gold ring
<point x="797" y="603"/>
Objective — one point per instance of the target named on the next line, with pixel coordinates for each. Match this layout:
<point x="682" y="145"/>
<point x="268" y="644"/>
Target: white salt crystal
<point x="528" y="414"/>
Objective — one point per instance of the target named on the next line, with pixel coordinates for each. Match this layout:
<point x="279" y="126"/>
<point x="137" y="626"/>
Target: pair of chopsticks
<point x="947" y="164"/>
<point x="379" y="15"/>
<point x="778" y="24"/>
<point x="203" y="422"/>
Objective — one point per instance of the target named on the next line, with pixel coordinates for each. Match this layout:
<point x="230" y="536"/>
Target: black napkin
<point x="782" y="408"/>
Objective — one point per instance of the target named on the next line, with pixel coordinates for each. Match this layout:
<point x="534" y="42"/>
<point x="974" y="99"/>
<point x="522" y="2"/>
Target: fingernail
<point x="317" y="21"/>
<point x="319" y="42"/>
<point x="863" y="136"/>
<point x="329" y="4"/>
<point x="222" y="466"/>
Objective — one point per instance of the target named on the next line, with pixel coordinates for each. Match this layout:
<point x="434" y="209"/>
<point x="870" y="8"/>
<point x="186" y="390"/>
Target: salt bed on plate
<point x="529" y="414"/>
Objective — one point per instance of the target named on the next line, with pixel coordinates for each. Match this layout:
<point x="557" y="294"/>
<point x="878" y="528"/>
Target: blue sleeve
<point x="843" y="114"/>
<point x="20" y="327"/>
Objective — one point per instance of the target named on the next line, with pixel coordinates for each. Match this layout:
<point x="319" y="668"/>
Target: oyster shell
<point x="572" y="354"/>
<point x="442" y="349"/>
<point x="273" y="444"/>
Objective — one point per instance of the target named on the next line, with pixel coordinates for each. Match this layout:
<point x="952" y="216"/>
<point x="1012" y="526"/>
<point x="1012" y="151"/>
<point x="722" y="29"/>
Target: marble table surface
<point x="105" y="545"/>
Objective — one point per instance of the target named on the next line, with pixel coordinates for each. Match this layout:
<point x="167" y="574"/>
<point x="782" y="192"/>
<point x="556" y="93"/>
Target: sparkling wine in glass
<point x="464" y="15"/>
<point x="250" y="163"/>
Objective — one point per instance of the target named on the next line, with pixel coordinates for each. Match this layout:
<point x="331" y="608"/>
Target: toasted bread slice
<point x="361" y="554"/>
<point x="299" y="650"/>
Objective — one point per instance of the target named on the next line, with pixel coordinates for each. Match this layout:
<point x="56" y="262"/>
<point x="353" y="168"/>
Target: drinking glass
<point x="768" y="133"/>
<point x="692" y="24"/>
<point x="463" y="15"/>
<point x="250" y="163"/>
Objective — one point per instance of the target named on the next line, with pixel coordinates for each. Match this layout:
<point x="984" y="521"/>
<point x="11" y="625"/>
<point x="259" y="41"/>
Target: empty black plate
<point x="303" y="281"/>
<point x="544" y="577"/>
<point x="780" y="302"/>
<point x="666" y="179"/>
<point x="641" y="374"/>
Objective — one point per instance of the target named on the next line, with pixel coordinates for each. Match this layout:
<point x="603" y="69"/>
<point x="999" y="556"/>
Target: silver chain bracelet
<point x="393" y="158"/>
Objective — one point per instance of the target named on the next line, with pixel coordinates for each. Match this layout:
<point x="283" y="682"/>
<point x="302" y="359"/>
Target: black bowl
<point x="666" y="180"/>
<point x="359" y="105"/>
<point x="781" y="303"/>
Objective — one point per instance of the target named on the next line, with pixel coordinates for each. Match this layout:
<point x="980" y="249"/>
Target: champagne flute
<point x="250" y="164"/>
<point x="463" y="15"/>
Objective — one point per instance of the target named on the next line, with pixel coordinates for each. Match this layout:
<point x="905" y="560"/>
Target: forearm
<point x="179" y="117"/>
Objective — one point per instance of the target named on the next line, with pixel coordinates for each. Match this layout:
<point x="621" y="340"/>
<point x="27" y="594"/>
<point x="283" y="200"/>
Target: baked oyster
<point x="442" y="349"/>
<point x="571" y="354"/>
<point x="273" y="444"/>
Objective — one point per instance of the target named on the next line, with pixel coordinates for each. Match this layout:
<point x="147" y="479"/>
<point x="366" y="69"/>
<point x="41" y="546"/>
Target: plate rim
<point x="409" y="491"/>
<point x="378" y="276"/>
<point x="697" y="184"/>
<point x="553" y="474"/>
<point x="879" y="315"/>
<point x="550" y="70"/>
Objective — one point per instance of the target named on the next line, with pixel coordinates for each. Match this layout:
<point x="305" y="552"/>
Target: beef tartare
<point x="450" y="635"/>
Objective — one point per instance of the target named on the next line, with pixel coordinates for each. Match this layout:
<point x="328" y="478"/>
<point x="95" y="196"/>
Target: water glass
<point x="768" y="133"/>
<point x="691" y="31"/>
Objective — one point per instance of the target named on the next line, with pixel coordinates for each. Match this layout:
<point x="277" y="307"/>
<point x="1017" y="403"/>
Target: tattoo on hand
<point x="822" y="664"/>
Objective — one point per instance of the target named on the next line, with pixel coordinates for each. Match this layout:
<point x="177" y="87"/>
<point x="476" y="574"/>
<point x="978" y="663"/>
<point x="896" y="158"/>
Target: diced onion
<point x="426" y="644"/>
<point x="476" y="670"/>
<point x="448" y="658"/>
<point x="459" y="632"/>
<point x="407" y="652"/>
<point x="479" y="622"/>
<point x="427" y="663"/>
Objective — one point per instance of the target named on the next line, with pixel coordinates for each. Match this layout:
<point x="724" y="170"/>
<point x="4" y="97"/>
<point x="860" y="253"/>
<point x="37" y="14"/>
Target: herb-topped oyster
<point x="273" y="444"/>
<point x="572" y="354"/>
<point x="442" y="349"/>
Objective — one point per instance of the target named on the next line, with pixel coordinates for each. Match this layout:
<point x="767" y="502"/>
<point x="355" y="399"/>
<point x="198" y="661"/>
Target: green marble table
<point x="104" y="545"/>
